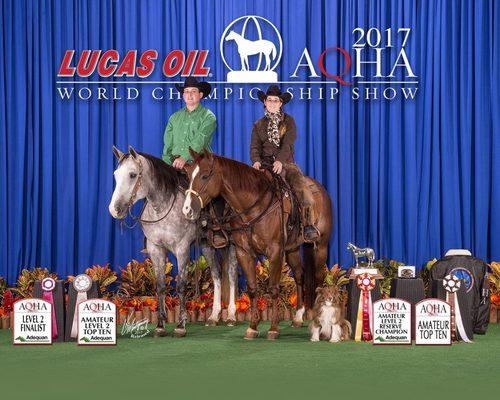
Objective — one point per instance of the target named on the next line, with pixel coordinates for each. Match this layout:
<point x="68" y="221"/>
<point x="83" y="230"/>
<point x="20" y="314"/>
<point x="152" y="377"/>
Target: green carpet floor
<point x="215" y="362"/>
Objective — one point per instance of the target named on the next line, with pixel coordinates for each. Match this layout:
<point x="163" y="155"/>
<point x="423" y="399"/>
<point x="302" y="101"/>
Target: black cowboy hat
<point x="274" y="90"/>
<point x="191" y="81"/>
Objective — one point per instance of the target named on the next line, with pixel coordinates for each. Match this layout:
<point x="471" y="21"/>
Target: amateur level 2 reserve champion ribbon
<point x="48" y="285"/>
<point x="82" y="284"/>
<point x="364" y="322"/>
<point x="452" y="284"/>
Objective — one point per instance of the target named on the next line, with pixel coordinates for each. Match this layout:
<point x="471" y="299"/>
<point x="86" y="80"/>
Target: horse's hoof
<point x="297" y="324"/>
<point x="179" y="332"/>
<point x="211" y="322"/>
<point x="160" y="332"/>
<point x="273" y="335"/>
<point x="251" y="334"/>
<point x="230" y="322"/>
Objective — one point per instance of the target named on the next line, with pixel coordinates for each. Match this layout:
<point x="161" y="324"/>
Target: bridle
<point x="130" y="203"/>
<point x="203" y="187"/>
<point x="273" y="202"/>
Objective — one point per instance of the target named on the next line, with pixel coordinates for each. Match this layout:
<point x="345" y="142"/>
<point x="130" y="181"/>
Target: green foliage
<point x="389" y="269"/>
<point x="336" y="276"/>
<point x="425" y="274"/>
<point x="3" y="285"/>
<point x="27" y="278"/>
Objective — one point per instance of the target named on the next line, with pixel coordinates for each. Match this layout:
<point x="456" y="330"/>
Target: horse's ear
<point x="207" y="153"/>
<point x="193" y="153"/>
<point x="118" y="154"/>
<point x="132" y="152"/>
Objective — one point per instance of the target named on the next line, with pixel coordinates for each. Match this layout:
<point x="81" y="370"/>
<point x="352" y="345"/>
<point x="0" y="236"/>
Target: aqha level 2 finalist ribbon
<point x="452" y="284"/>
<point x="48" y="286"/>
<point x="364" y="322"/>
<point x="82" y="284"/>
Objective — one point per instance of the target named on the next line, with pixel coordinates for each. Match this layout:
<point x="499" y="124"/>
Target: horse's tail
<point x="273" y="51"/>
<point x="309" y="277"/>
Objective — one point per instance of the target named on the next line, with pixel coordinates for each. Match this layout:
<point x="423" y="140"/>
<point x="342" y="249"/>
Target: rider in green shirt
<point x="192" y="126"/>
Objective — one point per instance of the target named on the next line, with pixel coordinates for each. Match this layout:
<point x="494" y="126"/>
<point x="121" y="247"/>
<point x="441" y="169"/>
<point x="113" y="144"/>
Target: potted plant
<point x="27" y="278"/>
<point x="494" y="281"/>
<point x="336" y="276"/>
<point x="104" y="276"/>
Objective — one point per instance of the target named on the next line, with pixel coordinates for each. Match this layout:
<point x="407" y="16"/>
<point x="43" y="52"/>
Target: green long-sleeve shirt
<point x="188" y="129"/>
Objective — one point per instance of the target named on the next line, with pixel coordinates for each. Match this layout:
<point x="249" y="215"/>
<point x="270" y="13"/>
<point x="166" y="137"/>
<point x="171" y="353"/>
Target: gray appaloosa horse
<point x="142" y="176"/>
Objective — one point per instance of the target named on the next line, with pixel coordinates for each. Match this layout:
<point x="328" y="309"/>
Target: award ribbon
<point x="452" y="284"/>
<point x="364" y="322"/>
<point x="82" y="284"/>
<point x="48" y="285"/>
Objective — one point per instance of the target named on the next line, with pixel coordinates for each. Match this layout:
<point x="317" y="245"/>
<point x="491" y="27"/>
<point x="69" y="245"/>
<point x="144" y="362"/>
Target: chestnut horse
<point x="259" y="225"/>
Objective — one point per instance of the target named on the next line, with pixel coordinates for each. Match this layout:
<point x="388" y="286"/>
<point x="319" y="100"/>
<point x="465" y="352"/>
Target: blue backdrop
<point x="409" y="178"/>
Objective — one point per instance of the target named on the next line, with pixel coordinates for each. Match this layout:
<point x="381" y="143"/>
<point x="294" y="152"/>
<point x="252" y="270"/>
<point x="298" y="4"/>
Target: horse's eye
<point x="133" y="175"/>
<point x="204" y="177"/>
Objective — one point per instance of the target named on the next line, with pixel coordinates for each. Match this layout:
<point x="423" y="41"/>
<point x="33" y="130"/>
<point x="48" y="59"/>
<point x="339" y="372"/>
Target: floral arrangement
<point x="335" y="276"/>
<point x="3" y="285"/>
<point x="27" y="278"/>
<point x="243" y="303"/>
<point x="494" y="280"/>
<point x="103" y="275"/>
<point x="425" y="274"/>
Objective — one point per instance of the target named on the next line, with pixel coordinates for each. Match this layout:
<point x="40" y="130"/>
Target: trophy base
<point x="252" y="77"/>
<point x="354" y="272"/>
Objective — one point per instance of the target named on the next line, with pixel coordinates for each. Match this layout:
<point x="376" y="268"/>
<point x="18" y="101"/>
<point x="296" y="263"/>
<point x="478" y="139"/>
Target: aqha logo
<point x="97" y="307"/>
<point x="433" y="308"/>
<point x="33" y="306"/>
<point x="392" y="306"/>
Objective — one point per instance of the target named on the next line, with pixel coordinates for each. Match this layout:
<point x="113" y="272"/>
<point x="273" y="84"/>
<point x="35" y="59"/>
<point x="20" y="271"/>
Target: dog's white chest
<point x="326" y="319"/>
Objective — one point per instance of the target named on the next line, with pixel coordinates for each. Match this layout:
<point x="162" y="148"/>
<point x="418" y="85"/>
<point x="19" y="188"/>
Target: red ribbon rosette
<point x="366" y="283"/>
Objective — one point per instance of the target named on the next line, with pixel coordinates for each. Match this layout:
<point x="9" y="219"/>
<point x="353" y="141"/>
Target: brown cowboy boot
<point x="311" y="233"/>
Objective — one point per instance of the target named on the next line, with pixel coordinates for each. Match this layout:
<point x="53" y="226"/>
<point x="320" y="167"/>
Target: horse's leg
<point x="293" y="259"/>
<point x="158" y="256"/>
<point x="268" y="62"/>
<point x="233" y="284"/>
<point x="276" y="261"/>
<point x="215" y="270"/>
<point x="320" y="255"/>
<point x="182" y="256"/>
<point x="243" y="64"/>
<point x="246" y="261"/>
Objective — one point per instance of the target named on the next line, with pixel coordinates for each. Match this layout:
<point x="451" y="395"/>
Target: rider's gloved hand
<point x="256" y="165"/>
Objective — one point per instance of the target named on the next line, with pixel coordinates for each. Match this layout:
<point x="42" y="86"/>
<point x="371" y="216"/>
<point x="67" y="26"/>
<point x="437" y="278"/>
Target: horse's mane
<point x="241" y="176"/>
<point x="164" y="176"/>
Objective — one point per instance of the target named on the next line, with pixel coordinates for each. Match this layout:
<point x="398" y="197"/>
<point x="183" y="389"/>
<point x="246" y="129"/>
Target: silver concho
<point x="82" y="283"/>
<point x="48" y="284"/>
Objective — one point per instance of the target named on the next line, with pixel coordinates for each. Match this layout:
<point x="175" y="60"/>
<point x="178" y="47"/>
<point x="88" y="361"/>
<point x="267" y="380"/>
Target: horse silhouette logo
<point x="252" y="52"/>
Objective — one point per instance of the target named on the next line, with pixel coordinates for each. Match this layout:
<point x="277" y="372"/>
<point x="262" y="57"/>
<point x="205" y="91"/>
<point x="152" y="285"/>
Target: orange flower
<point x="2" y="312"/>
<point x="190" y="305"/>
<point x="261" y="303"/>
<point x="495" y="299"/>
<point x="243" y="303"/>
<point x="123" y="310"/>
<point x="171" y="302"/>
<point x="154" y="305"/>
<point x="293" y="300"/>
